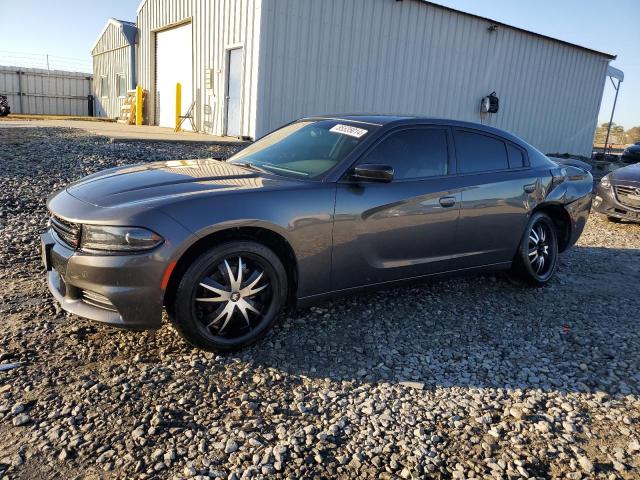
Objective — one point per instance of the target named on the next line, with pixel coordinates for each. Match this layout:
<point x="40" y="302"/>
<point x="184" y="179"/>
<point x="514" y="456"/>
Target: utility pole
<point x="619" y="75"/>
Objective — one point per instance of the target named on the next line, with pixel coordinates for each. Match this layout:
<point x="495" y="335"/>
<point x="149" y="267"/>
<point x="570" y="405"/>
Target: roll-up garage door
<point x="174" y="64"/>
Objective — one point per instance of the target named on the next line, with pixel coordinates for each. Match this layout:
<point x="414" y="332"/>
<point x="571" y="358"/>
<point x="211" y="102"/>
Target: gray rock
<point x="21" y="420"/>
<point x="585" y="464"/>
<point x="231" y="446"/>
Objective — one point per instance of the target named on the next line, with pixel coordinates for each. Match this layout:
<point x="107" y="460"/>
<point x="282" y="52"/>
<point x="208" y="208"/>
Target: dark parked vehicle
<point x="631" y="154"/>
<point x="618" y="194"/>
<point x="321" y="206"/>
<point x="4" y="106"/>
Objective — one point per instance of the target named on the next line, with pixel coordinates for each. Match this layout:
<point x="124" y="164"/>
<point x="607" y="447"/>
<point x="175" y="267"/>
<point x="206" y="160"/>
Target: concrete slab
<point x="118" y="132"/>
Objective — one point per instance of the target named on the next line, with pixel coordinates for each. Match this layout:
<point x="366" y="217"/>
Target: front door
<point x="234" y="93"/>
<point x="402" y="229"/>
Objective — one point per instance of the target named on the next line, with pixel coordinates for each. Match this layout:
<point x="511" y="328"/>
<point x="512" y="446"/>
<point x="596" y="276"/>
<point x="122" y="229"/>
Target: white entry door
<point x="234" y="93"/>
<point x="174" y="64"/>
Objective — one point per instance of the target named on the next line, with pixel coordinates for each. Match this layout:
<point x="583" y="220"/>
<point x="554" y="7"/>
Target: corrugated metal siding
<point x="383" y="56"/>
<point x="50" y="92"/>
<point x="111" y="57"/>
<point x="216" y="27"/>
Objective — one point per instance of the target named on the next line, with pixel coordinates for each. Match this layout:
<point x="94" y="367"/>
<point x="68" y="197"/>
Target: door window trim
<point x="451" y="160"/>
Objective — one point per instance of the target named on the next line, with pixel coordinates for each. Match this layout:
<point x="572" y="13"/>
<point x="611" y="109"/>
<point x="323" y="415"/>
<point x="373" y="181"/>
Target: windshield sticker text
<point x="348" y="130"/>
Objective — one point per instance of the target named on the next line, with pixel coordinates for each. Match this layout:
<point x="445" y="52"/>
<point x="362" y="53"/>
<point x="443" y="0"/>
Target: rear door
<point x="497" y="189"/>
<point x="402" y="229"/>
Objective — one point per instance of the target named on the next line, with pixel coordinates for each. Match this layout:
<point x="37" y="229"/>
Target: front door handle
<point x="448" y="202"/>
<point x="530" y="188"/>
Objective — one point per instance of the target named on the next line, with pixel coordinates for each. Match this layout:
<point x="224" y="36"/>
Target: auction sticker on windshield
<point x="348" y="130"/>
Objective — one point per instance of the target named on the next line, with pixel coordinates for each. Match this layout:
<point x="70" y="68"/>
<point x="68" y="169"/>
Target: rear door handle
<point x="448" y="202"/>
<point x="530" y="188"/>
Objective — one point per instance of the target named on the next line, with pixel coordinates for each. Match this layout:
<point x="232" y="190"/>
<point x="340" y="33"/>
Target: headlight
<point x="605" y="182"/>
<point x="118" y="239"/>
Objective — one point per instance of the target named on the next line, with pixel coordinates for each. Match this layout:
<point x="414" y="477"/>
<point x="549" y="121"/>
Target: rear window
<point x="480" y="153"/>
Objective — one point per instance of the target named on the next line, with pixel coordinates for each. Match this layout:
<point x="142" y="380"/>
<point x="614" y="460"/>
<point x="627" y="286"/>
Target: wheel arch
<point x="561" y="220"/>
<point x="265" y="236"/>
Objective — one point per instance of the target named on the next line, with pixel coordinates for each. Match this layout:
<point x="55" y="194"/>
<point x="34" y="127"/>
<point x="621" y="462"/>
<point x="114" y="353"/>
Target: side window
<point x="122" y="85"/>
<point x="104" y="87"/>
<point x="516" y="159"/>
<point x="414" y="153"/>
<point x="479" y="153"/>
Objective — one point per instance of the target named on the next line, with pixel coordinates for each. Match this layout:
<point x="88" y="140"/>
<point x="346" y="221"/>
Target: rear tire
<point x="537" y="259"/>
<point x="229" y="297"/>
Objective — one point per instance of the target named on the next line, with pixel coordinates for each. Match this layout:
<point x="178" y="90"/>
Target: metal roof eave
<point x="128" y="29"/>
<point x="609" y="56"/>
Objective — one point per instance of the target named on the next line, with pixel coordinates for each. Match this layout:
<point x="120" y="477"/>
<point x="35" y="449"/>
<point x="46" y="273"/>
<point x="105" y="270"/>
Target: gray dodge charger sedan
<point x="322" y="206"/>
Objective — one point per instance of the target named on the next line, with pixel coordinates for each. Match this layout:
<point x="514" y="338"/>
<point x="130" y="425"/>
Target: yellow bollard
<point x="178" y="105"/>
<point x="139" y="105"/>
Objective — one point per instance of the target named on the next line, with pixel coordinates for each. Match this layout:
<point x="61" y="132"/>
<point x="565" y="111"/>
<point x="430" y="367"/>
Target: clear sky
<point x="66" y="30"/>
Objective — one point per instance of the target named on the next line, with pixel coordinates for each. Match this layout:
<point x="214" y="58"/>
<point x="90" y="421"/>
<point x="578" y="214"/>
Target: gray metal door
<point x="234" y="93"/>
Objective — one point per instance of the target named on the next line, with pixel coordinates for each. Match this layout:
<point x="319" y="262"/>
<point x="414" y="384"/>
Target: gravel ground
<point x="465" y="378"/>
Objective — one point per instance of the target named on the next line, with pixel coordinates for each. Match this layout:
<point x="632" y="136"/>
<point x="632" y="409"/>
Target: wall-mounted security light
<point x="490" y="104"/>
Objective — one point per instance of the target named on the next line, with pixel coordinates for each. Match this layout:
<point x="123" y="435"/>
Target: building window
<point x="104" y="86"/>
<point x="122" y="85"/>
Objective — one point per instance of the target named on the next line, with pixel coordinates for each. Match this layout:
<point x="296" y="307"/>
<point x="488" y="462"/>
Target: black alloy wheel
<point x="230" y="296"/>
<point x="537" y="259"/>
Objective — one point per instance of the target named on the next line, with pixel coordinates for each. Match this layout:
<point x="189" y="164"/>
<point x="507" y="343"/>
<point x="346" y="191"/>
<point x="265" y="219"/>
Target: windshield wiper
<point x="282" y="169"/>
<point x="251" y="166"/>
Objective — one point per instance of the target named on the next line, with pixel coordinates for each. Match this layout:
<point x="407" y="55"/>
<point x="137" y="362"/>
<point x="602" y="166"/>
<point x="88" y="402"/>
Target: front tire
<point x="537" y="259"/>
<point x="229" y="297"/>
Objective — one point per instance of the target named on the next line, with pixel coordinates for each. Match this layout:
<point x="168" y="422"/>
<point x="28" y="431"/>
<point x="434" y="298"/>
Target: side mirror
<point x="373" y="173"/>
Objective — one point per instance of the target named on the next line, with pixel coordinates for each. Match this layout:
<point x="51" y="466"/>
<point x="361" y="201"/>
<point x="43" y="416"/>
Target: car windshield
<point x="304" y="149"/>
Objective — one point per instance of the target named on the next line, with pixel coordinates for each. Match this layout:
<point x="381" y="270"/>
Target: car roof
<point x="399" y="120"/>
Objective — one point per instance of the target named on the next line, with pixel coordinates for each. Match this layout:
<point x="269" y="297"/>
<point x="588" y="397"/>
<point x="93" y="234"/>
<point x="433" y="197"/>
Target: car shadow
<point x="578" y="334"/>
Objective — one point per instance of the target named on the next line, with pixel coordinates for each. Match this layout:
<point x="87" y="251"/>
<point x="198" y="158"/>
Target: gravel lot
<point x="465" y="378"/>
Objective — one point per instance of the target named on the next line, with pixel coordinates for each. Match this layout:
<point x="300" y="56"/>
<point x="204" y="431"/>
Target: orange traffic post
<point x="178" y="105"/>
<point x="139" y="100"/>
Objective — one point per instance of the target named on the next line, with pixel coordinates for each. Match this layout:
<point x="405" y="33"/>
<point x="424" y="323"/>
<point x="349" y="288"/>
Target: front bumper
<point x="607" y="204"/>
<point x="121" y="290"/>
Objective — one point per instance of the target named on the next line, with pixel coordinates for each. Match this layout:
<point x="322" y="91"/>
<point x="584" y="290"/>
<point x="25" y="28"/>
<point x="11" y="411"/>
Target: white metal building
<point x="49" y="92"/>
<point x="253" y="65"/>
<point x="114" y="66"/>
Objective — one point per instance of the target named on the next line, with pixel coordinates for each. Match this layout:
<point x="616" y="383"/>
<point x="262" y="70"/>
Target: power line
<point x="45" y="61"/>
<point x="29" y="54"/>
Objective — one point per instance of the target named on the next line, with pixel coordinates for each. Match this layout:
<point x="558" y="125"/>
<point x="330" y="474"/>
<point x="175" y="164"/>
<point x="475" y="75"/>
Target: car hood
<point x="170" y="180"/>
<point x="627" y="174"/>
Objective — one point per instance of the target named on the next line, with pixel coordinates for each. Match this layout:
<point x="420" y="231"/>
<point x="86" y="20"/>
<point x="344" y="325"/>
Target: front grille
<point x="96" y="300"/>
<point x="68" y="232"/>
<point x="628" y="196"/>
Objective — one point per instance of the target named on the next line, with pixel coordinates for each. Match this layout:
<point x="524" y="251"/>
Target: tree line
<point x="618" y="135"/>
